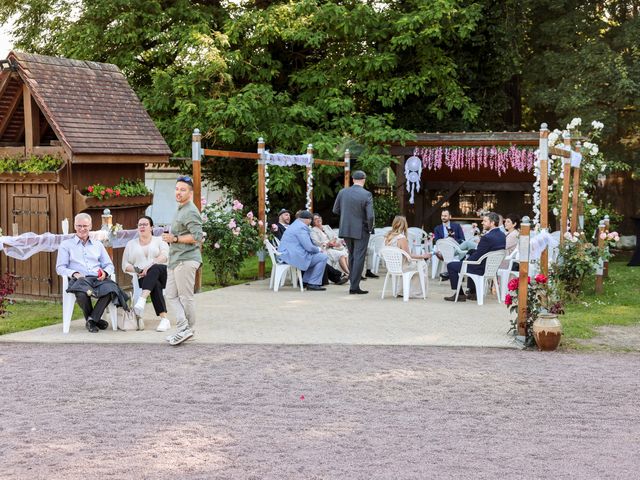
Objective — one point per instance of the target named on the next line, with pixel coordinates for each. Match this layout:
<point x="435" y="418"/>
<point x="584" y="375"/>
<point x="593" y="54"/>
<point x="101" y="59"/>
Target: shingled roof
<point x="90" y="106"/>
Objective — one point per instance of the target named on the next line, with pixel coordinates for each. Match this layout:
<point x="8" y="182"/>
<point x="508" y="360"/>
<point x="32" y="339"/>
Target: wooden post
<point x="543" y="156"/>
<point x="599" y="271"/>
<point x="309" y="175"/>
<point x="196" y="163"/>
<point x="605" y="272"/>
<point x="30" y="121"/>
<point x="261" y="203"/>
<point x="575" y="192"/>
<point x="523" y="283"/>
<point x="347" y="168"/>
<point x="566" y="185"/>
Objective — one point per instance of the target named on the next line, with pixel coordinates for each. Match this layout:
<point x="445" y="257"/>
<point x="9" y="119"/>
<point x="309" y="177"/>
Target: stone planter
<point x="547" y="332"/>
<point x="83" y="202"/>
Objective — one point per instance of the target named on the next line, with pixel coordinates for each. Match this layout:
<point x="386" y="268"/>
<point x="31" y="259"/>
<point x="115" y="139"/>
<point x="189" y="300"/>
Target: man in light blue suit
<point x="298" y="250"/>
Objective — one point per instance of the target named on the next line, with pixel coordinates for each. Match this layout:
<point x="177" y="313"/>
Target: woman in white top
<point x="397" y="237"/>
<point x="146" y="257"/>
<point x="511" y="225"/>
<point x="324" y="237"/>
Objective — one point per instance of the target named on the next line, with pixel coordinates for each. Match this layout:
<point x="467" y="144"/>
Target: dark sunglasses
<point x="186" y="179"/>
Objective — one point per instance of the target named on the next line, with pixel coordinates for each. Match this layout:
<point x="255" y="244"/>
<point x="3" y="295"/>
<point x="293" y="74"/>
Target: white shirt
<point x="142" y="256"/>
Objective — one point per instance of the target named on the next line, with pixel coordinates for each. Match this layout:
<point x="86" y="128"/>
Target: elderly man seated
<point x="491" y="241"/>
<point x="298" y="250"/>
<point x="88" y="266"/>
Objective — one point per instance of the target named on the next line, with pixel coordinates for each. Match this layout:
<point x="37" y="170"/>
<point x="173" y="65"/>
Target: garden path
<point x="253" y="314"/>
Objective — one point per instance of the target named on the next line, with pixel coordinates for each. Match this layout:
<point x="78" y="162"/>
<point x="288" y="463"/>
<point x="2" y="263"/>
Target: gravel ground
<point x="314" y="412"/>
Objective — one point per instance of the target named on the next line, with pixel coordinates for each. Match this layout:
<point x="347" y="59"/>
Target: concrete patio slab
<point x="253" y="314"/>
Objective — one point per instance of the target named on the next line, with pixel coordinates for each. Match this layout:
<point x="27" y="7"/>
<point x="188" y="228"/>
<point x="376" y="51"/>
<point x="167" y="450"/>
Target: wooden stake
<point x="566" y="185"/>
<point x="543" y="156"/>
<point x="261" y="202"/>
<point x="347" y="168"/>
<point x="599" y="271"/>
<point x="523" y="283"/>
<point x="196" y="163"/>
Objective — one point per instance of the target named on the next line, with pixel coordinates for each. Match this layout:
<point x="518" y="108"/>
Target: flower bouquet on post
<point x="543" y="297"/>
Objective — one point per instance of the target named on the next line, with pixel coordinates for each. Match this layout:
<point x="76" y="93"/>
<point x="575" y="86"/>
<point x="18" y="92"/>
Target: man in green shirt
<point x="184" y="260"/>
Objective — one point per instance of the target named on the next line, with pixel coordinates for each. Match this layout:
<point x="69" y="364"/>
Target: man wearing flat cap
<point x="298" y="250"/>
<point x="355" y="207"/>
<point x="284" y="219"/>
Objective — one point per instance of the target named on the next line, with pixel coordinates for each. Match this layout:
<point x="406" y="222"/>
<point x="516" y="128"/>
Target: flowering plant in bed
<point x="231" y="236"/>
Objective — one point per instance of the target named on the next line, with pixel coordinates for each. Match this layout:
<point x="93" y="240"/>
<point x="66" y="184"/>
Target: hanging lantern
<point x="413" y="172"/>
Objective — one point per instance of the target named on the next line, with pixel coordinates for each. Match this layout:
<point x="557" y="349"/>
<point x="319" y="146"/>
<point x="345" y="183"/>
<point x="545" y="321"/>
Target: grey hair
<point x="82" y="216"/>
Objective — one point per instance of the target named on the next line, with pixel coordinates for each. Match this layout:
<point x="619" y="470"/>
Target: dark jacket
<point x="281" y="229"/>
<point x="355" y="207"/>
<point x="490" y="242"/>
<point x="99" y="288"/>
<point x="440" y="233"/>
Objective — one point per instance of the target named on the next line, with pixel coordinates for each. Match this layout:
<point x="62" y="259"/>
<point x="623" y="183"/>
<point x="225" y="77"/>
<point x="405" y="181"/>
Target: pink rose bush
<point x="232" y="236"/>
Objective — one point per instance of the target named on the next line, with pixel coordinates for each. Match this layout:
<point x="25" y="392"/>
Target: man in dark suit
<point x="448" y="228"/>
<point x="491" y="241"/>
<point x="355" y="207"/>
<point x="284" y="219"/>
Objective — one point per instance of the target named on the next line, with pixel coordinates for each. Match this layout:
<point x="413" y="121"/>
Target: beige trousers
<point x="180" y="293"/>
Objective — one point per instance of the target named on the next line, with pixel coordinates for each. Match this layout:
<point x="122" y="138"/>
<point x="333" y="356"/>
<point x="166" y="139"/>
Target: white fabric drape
<point x="284" y="160"/>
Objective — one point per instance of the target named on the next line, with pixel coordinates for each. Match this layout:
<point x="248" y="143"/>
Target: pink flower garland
<point x="475" y="158"/>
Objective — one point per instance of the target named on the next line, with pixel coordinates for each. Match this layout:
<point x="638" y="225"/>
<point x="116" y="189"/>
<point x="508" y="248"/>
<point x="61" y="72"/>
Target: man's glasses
<point x="185" y="179"/>
<point x="83" y="226"/>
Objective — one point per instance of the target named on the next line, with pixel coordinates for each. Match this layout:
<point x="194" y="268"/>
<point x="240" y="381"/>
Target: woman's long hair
<point x="398" y="226"/>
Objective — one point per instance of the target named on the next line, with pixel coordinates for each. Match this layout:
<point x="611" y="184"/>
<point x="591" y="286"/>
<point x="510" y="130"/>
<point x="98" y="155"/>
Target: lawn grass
<point x="27" y="315"/>
<point x="618" y="305"/>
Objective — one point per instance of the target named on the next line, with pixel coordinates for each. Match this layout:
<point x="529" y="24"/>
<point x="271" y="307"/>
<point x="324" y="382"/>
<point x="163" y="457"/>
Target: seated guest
<point x="512" y="226"/>
<point x="323" y="237"/>
<point x="298" y="250"/>
<point x="448" y="229"/>
<point x="146" y="258"/>
<point x="88" y="266"/>
<point x="397" y="237"/>
<point x="284" y="219"/>
<point x="491" y="241"/>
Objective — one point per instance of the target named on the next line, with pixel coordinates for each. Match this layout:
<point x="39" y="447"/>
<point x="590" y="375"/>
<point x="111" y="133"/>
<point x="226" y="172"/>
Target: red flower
<point x="528" y="280"/>
<point x="90" y="189"/>
<point x="117" y="193"/>
<point x="109" y="191"/>
<point x="301" y="397"/>
<point x="540" y="278"/>
<point x="508" y="300"/>
<point x="102" y="192"/>
<point x="513" y="284"/>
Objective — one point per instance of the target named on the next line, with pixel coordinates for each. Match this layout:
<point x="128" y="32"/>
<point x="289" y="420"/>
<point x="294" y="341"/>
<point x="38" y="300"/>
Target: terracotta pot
<point x="547" y="331"/>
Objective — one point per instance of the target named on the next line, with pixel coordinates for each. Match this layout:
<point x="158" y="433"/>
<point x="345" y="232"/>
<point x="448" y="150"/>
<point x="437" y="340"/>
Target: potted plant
<point x="127" y="193"/>
<point x="544" y="304"/>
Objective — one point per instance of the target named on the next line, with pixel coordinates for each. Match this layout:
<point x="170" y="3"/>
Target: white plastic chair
<point x="376" y="242"/>
<point x="69" y="300"/>
<point x="467" y="230"/>
<point x="447" y="248"/>
<point x="393" y="258"/>
<point x="505" y="274"/>
<point x="417" y="238"/>
<point x="279" y="271"/>
<point x="493" y="261"/>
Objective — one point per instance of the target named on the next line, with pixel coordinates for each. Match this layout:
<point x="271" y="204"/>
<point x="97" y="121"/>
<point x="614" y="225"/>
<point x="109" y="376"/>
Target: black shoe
<point x="370" y="274"/>
<point x="452" y="298"/>
<point x="101" y="324"/>
<point x="342" y="281"/>
<point x="444" y="276"/>
<point x="363" y="278"/>
<point x="315" y="287"/>
<point x="91" y="326"/>
<point x="471" y="296"/>
<point x="358" y="292"/>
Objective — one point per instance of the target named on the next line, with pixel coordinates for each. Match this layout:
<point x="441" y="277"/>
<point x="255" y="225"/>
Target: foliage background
<point x="352" y="73"/>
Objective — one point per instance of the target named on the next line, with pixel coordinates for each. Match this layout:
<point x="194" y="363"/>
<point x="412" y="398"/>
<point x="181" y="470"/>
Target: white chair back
<point x="447" y="248"/>
<point x="393" y="259"/>
<point x="467" y="230"/>
<point x="272" y="251"/>
<point x="492" y="264"/>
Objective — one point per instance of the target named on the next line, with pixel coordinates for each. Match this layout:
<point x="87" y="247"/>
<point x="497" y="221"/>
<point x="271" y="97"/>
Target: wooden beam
<point x="560" y="152"/>
<point x="331" y="163"/>
<point x="229" y="154"/>
<point x="543" y="156"/>
<point x="262" y="209"/>
<point x="4" y="83"/>
<point x="27" y="105"/>
<point x="13" y="105"/>
<point x="482" y="186"/>
<point x="115" y="158"/>
<point x="523" y="275"/>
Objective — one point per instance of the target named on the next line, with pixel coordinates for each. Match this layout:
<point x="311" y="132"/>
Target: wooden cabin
<point x="465" y="190"/>
<point x="86" y="114"/>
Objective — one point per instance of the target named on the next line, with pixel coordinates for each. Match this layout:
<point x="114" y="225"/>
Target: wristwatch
<point x="175" y="239"/>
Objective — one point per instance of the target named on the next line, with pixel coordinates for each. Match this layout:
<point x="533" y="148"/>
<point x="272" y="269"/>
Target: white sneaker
<point x="181" y="336"/>
<point x="138" y="308"/>
<point x="164" y="325"/>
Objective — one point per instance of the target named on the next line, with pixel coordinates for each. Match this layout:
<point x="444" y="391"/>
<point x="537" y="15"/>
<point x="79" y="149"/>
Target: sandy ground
<point x="74" y="411"/>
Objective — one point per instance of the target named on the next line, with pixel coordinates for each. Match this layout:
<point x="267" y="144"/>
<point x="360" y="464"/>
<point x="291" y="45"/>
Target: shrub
<point x="7" y="287"/>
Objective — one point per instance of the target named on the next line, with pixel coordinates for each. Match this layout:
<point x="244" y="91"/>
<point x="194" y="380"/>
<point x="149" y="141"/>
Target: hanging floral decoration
<point x="285" y="160"/>
<point x="499" y="159"/>
<point x="307" y="205"/>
